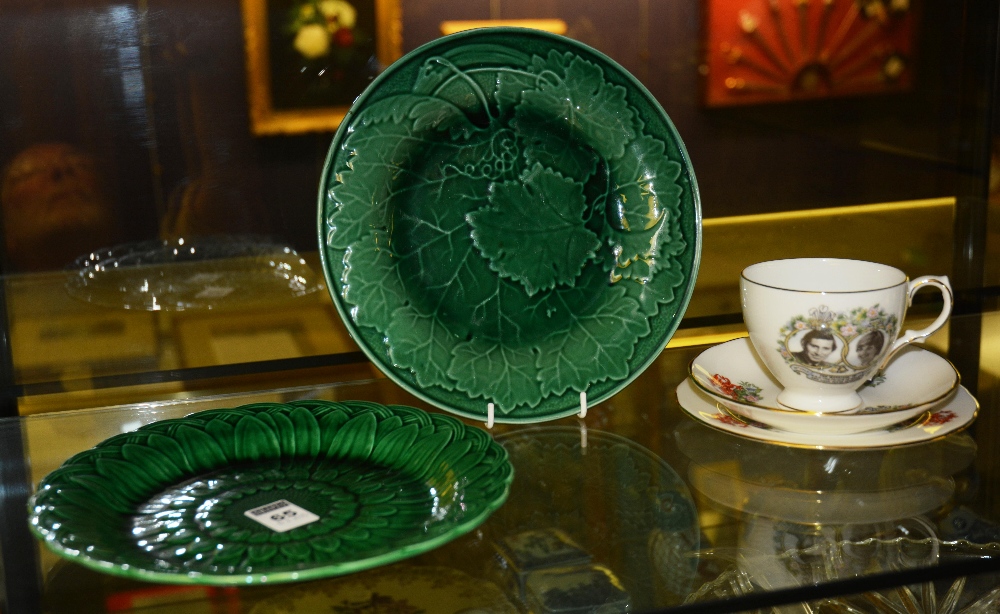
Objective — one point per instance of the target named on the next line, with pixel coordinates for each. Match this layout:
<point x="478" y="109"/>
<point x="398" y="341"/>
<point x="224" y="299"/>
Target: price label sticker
<point x="281" y="516"/>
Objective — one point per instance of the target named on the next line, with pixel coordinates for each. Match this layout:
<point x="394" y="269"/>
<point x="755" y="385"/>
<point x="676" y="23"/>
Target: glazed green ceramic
<point x="169" y="502"/>
<point x="508" y="216"/>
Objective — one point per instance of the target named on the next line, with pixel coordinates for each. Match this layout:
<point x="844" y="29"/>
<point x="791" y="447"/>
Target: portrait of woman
<point x="867" y="348"/>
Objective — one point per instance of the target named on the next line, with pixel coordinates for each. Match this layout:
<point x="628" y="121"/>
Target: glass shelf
<point x="675" y="511"/>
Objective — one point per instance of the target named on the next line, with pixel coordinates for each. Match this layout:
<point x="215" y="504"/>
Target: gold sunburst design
<point x="760" y="51"/>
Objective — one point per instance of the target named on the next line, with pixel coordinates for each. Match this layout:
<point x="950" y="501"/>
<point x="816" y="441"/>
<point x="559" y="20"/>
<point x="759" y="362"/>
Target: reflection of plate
<point x="569" y="480"/>
<point x="507" y="216"/>
<point x="949" y="416"/>
<point x="820" y="507"/>
<point x="403" y="589"/>
<point x="761" y="463"/>
<point x="913" y="381"/>
<point x="193" y="273"/>
<point x="209" y="498"/>
<point x="856" y="486"/>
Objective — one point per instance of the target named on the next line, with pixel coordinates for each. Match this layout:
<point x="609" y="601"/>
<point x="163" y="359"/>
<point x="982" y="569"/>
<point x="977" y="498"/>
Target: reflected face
<point x="53" y="207"/>
<point x="818" y="349"/>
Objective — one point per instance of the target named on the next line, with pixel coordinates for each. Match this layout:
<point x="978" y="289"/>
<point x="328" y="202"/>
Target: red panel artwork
<point x="760" y="51"/>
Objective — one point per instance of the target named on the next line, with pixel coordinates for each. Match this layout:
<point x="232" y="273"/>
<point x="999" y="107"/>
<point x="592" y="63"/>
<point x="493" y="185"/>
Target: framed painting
<point x="307" y="60"/>
<point x="765" y="51"/>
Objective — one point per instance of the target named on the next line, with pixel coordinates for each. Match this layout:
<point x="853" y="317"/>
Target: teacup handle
<point x="918" y="336"/>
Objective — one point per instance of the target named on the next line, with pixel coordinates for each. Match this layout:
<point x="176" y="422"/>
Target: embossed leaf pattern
<point x="508" y="373"/>
<point x="482" y="256"/>
<point x="544" y="216"/>
<point x="550" y="150"/>
<point x="645" y="195"/>
<point x="421" y="342"/>
<point x="659" y="290"/>
<point x="167" y="502"/>
<point x="608" y="334"/>
<point x="428" y="112"/>
<point x="576" y="101"/>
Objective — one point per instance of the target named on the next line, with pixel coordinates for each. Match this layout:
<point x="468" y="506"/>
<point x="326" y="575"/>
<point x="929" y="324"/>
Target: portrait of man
<point x="817" y="345"/>
<point x="869" y="347"/>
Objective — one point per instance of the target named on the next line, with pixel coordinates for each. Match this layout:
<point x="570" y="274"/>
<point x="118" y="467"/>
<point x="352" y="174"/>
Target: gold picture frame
<point x="555" y="26"/>
<point x="267" y="115"/>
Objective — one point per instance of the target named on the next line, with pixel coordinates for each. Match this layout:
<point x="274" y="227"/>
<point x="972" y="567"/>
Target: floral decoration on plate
<point x="507" y="216"/>
<point x="271" y="493"/>
<point x="949" y="416"/>
<point x="744" y="392"/>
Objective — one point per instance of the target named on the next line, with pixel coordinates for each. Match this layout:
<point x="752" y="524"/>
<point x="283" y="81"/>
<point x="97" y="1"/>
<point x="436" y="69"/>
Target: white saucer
<point x="912" y="382"/>
<point x="823" y="423"/>
<point x="950" y="416"/>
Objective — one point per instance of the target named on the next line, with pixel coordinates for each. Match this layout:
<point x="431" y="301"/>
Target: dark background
<point x="156" y="92"/>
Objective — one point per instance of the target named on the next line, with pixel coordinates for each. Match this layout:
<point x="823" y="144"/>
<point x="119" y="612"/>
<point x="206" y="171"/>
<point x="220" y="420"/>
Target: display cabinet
<point x="162" y="164"/>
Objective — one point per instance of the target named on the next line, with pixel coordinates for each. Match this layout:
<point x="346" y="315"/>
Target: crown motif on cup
<point x="821" y="317"/>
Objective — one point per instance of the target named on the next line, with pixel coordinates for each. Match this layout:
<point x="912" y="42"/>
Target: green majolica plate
<point x="509" y="216"/>
<point x="271" y="493"/>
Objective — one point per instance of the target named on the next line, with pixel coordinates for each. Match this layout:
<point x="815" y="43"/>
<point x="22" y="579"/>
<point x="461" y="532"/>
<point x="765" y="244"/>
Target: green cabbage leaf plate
<point x="171" y="502"/>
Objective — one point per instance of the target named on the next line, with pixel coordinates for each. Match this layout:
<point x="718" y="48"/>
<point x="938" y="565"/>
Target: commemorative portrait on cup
<point x="826" y="326"/>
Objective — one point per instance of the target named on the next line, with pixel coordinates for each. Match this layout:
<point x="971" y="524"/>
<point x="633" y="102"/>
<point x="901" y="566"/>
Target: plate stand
<point x="491" y="418"/>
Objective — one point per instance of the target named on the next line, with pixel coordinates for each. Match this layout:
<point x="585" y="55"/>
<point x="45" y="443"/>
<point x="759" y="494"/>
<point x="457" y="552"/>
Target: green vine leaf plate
<point x="271" y="493"/>
<point x="507" y="216"/>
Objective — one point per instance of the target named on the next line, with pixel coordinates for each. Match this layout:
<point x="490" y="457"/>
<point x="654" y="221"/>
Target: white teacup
<point x="825" y="326"/>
